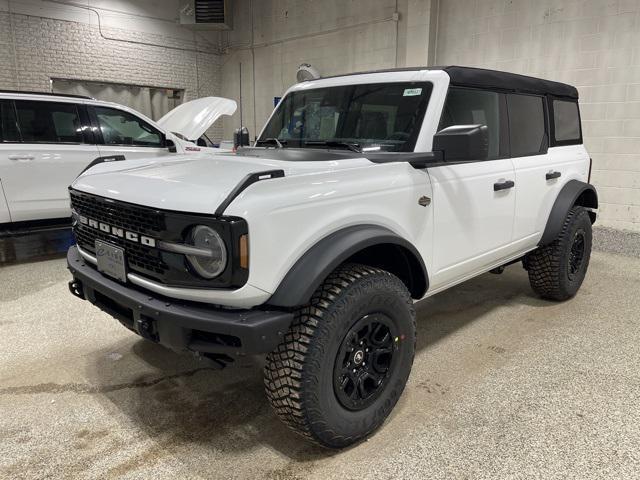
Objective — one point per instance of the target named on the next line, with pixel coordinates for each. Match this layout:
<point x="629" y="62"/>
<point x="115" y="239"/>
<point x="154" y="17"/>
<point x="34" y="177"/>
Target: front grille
<point x="140" y="258"/>
<point x="141" y="220"/>
<point x="166" y="267"/>
<point x="132" y="217"/>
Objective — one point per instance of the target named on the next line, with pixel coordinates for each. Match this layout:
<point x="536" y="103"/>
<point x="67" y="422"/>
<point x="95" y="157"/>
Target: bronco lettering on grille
<point x="117" y="231"/>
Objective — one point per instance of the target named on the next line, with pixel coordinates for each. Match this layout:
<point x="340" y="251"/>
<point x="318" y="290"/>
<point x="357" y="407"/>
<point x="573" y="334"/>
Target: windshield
<point x="373" y="117"/>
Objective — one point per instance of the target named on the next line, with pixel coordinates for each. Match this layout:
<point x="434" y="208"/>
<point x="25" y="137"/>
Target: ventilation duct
<point x="206" y="14"/>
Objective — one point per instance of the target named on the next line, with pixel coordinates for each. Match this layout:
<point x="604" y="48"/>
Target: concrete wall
<point x="140" y="44"/>
<point x="593" y="44"/>
<point x="272" y="38"/>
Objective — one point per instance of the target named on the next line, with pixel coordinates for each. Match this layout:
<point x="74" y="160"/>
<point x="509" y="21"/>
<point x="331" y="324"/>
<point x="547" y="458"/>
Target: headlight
<point x="212" y="263"/>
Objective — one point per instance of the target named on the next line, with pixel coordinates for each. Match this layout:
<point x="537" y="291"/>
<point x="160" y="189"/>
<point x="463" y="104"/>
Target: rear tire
<point x="345" y="361"/>
<point x="556" y="271"/>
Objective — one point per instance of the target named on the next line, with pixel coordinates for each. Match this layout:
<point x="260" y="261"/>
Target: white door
<point x="126" y="134"/>
<point x="474" y="206"/>
<point x="473" y="202"/>
<point x="541" y="173"/>
<point x="37" y="170"/>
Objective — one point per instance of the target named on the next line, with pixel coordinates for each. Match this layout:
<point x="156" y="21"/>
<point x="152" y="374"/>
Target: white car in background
<point x="47" y="140"/>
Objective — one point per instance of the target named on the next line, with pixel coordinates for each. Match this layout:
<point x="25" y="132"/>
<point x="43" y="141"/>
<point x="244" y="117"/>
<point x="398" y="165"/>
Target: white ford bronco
<point x="363" y="194"/>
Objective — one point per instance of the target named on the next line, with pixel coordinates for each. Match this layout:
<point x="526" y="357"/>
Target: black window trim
<point x="552" y="126"/>
<point x="15" y="113"/>
<point x="22" y="140"/>
<point x="544" y="146"/>
<point x="97" y="131"/>
<point x="87" y="131"/>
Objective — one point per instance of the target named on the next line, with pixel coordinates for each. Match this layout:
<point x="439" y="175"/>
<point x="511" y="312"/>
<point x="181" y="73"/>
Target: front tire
<point x="556" y="271"/>
<point x="346" y="359"/>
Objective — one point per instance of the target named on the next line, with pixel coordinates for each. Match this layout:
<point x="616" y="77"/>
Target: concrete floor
<point x="504" y="385"/>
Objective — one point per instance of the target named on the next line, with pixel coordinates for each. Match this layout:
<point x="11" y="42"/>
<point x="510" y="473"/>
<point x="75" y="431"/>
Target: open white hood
<point x="192" y="119"/>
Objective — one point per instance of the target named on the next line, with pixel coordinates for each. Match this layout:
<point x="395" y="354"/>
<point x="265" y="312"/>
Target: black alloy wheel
<point x="365" y="361"/>
<point x="576" y="254"/>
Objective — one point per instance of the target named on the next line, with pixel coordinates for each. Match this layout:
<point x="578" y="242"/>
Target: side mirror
<point x="170" y="145"/>
<point x="460" y="143"/>
<point x="240" y="137"/>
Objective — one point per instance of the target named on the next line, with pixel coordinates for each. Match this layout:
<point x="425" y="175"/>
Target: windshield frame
<point x="412" y="129"/>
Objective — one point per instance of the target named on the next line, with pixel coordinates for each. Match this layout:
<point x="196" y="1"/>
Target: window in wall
<point x="465" y="106"/>
<point x="566" y="121"/>
<point x="526" y="124"/>
<point x="8" y="122"/>
<point x="154" y="102"/>
<point x="49" y="122"/>
<point x="123" y="128"/>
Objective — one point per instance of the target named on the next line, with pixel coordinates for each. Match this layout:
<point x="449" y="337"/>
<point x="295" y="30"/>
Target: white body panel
<point x="473" y="222"/>
<point x="467" y="229"/>
<point x="36" y="175"/>
<point x="294" y="213"/>
<point x="4" y="208"/>
<point x="535" y="194"/>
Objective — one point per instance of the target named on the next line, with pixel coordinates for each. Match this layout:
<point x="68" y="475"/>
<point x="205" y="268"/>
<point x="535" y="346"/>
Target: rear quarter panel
<point x="535" y="195"/>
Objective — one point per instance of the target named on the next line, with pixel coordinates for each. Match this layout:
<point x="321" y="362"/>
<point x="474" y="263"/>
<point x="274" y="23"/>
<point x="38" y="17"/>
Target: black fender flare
<point x="574" y="192"/>
<point x="315" y="265"/>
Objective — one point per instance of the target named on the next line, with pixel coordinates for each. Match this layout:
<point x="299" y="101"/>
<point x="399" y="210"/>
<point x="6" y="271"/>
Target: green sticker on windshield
<point x="411" y="92"/>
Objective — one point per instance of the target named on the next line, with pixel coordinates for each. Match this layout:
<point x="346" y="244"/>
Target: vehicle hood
<point x="196" y="183"/>
<point x="192" y="119"/>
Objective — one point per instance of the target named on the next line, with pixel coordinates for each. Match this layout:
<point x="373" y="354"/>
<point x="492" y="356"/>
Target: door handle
<point x="506" y="185"/>
<point x="552" y="175"/>
<point x="21" y="157"/>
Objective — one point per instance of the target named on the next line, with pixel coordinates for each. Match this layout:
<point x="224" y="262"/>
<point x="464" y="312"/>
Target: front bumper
<point x="179" y="325"/>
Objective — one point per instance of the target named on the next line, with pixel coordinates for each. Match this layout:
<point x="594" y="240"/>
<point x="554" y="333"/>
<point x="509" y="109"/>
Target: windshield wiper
<point x="354" y="147"/>
<point x="274" y="141"/>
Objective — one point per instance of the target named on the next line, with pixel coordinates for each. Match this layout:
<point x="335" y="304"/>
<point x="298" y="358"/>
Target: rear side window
<point x="49" y="122"/>
<point x="122" y="128"/>
<point x="566" y="122"/>
<point x="474" y="107"/>
<point x="526" y="125"/>
<point x="8" y="123"/>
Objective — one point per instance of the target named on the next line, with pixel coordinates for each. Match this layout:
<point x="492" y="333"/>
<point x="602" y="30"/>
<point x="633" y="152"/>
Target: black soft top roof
<point x="484" y="78"/>
<point x="480" y="77"/>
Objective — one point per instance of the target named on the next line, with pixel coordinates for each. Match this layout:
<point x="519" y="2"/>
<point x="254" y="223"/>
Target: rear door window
<point x="526" y="125"/>
<point x="119" y="127"/>
<point x="466" y="106"/>
<point x="566" y="122"/>
<point x="8" y="123"/>
<point x="49" y="122"/>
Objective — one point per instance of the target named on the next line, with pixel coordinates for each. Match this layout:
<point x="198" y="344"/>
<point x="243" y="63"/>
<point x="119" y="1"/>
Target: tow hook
<point x="75" y="287"/>
<point x="146" y="329"/>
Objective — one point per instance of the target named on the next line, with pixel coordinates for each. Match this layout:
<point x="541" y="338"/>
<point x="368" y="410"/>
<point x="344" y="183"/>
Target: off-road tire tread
<point x="543" y="264"/>
<point x="283" y="371"/>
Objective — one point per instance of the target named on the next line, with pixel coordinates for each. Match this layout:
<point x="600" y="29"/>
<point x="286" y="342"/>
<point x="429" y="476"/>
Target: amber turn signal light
<point x="244" y="251"/>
